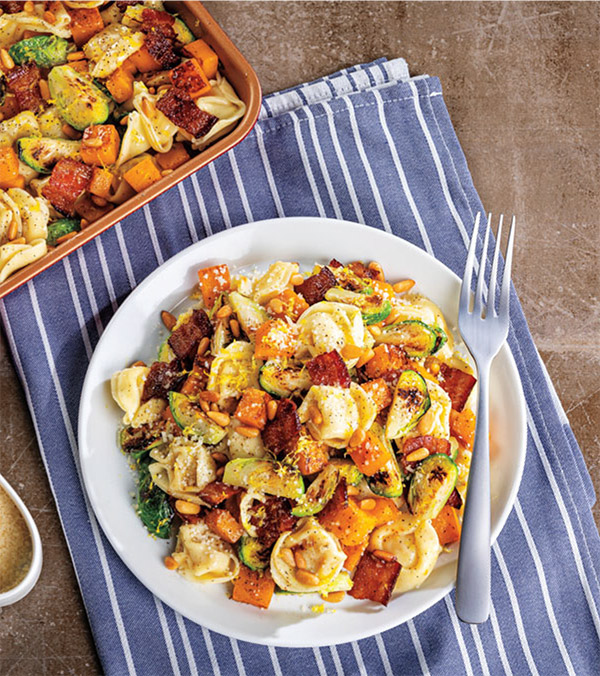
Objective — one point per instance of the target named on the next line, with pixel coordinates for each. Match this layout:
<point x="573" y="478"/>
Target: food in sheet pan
<point x="301" y="433"/>
<point x="98" y="101"/>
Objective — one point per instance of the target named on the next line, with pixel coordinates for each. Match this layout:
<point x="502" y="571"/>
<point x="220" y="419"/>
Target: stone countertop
<point x="521" y="82"/>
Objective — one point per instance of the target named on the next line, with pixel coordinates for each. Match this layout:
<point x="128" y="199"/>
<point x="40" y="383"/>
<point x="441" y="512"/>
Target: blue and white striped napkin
<point x="367" y="144"/>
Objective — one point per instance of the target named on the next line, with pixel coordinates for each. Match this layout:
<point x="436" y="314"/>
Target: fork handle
<point x="473" y="578"/>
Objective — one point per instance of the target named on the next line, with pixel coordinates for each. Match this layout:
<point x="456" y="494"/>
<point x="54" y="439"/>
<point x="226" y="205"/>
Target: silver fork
<point x="484" y="331"/>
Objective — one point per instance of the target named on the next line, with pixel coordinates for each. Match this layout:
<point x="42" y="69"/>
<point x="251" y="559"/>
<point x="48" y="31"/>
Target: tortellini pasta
<point x="328" y="326"/>
<point x="342" y="410"/>
<point x="13" y="26"/>
<point x="416" y="546"/>
<point x="126" y="387"/>
<point x="148" y="412"/>
<point x="233" y="370"/>
<point x="13" y="257"/>
<point x="34" y="214"/>
<point x="111" y="47"/>
<point x="202" y="556"/>
<point x="274" y="281"/>
<point x="240" y="446"/>
<point x="436" y="420"/>
<point x="321" y="550"/>
<point x="22" y="124"/>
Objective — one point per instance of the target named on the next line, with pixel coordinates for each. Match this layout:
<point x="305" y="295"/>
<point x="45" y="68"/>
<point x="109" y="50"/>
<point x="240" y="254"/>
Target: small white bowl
<point x="28" y="582"/>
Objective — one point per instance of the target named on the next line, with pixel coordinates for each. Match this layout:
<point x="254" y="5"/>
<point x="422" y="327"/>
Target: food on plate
<point x="98" y="101"/>
<point x="16" y="547"/>
<point x="301" y="433"/>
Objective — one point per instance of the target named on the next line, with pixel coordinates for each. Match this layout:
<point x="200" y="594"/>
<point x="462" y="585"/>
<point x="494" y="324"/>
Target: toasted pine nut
<point x="357" y="437"/>
<point x="374" y="265"/>
<point x="139" y="362"/>
<point x="418" y="454"/>
<point x="203" y="346"/>
<point x="365" y="357"/>
<point x="170" y="563"/>
<point x="220" y="471"/>
<point x="18" y="240"/>
<point x="1" y="115"/>
<point x="29" y="7"/>
<point x="288" y="556"/>
<point x="224" y="312"/>
<point x="151" y="90"/>
<point x="13" y="229"/>
<point x="434" y="367"/>
<point x="276" y="306"/>
<point x="368" y="504"/>
<point x="297" y="279"/>
<point x="83" y="223"/>
<point x="425" y="422"/>
<point x="99" y="201"/>
<point x="249" y="432"/>
<point x="375" y="331"/>
<point x="168" y="319"/>
<point x="7" y="60"/>
<point x="44" y="90"/>
<point x="299" y="559"/>
<point x="352" y="490"/>
<point x="148" y="107"/>
<point x="166" y="172"/>
<point x="234" y="325"/>
<point x="124" y="120"/>
<point x="306" y="577"/>
<point x="391" y="318"/>
<point x="49" y="17"/>
<point x="75" y="56"/>
<point x="66" y="237"/>
<point x="219" y="417"/>
<point x="404" y="286"/>
<point x="352" y="352"/>
<point x="214" y="407"/>
<point x="384" y="556"/>
<point x="220" y="458"/>
<point x="271" y="409"/>
<point x="204" y="405"/>
<point x="93" y="142"/>
<point x="334" y="597"/>
<point x="315" y="415"/>
<point x="185" y="507"/>
<point x="209" y="395"/>
<point x="71" y="133"/>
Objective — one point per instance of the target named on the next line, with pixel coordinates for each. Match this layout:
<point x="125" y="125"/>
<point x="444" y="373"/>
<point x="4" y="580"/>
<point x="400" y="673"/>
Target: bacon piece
<point x="160" y="46"/>
<point x="201" y="370"/>
<point x="281" y="434"/>
<point x="11" y="7"/>
<point x="24" y="82"/>
<point x="334" y="263"/>
<point x="458" y="384"/>
<point x="179" y="107"/>
<point x="153" y="17"/>
<point x="123" y="4"/>
<point x="314" y="288"/>
<point x="375" y="579"/>
<point x="274" y="518"/>
<point x="432" y="444"/>
<point x="184" y="340"/>
<point x="161" y="379"/>
<point x="68" y="180"/>
<point x="455" y="500"/>
<point x="361" y="270"/>
<point x="216" y="492"/>
<point x="329" y="369"/>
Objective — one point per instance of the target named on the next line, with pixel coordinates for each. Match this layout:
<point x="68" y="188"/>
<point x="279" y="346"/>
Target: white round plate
<point x="135" y="332"/>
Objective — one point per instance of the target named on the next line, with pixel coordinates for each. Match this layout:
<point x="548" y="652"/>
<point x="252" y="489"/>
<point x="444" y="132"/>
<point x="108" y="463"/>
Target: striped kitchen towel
<point x="367" y="144"/>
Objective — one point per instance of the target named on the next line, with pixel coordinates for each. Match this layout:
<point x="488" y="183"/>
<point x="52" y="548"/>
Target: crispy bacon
<point x="329" y="369"/>
<point x="161" y="47"/>
<point x="24" y="82"/>
<point x="123" y="4"/>
<point x="375" y="579"/>
<point x="361" y="270"/>
<point x="68" y="180"/>
<point x="334" y="263"/>
<point x="153" y="17"/>
<point x="314" y="288"/>
<point x="281" y="434"/>
<point x="11" y="7"/>
<point x="216" y="492"/>
<point x="161" y="379"/>
<point x="179" y="107"/>
<point x="201" y="370"/>
<point x="184" y="340"/>
<point x="432" y="444"/>
<point x="274" y="518"/>
<point x="454" y="500"/>
<point x="458" y="384"/>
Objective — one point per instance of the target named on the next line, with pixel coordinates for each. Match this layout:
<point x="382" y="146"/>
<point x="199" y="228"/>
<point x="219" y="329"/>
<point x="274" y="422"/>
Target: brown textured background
<point x="521" y="82"/>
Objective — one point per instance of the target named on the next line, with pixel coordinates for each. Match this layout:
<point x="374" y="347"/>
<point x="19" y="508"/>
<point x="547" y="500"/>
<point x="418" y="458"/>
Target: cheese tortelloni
<point x="233" y="370"/>
<point x="328" y="326"/>
<point x="223" y="103"/>
<point x="13" y="26"/>
<point x="183" y="469"/>
<point x="13" y="257"/>
<point x="343" y="410"/>
<point x="111" y="47"/>
<point x="134" y="142"/>
<point x="126" y="387"/>
<point x="416" y="546"/>
<point x="240" y="446"/>
<point x="202" y="556"/>
<point x="34" y="213"/>
<point x="321" y="550"/>
<point x="22" y="124"/>
<point x="275" y="280"/>
<point x="158" y="129"/>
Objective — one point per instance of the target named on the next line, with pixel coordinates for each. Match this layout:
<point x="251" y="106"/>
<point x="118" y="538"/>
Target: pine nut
<point x="219" y="473"/>
<point x="18" y="240"/>
<point x="170" y="563"/>
<point x="209" y="395"/>
<point x="29" y="7"/>
<point x="75" y="56"/>
<point x="249" y="432"/>
<point x="139" y="362"/>
<point x="391" y="318"/>
<point x="222" y="419"/>
<point x="288" y="556"/>
<point x="299" y="559"/>
<point x="315" y="415"/>
<point x="234" y="325"/>
<point x="425" y="423"/>
<point x="185" y="507"/>
<point x="368" y="504"/>
<point x="83" y="223"/>
<point x="203" y="346"/>
<point x="334" y="597"/>
<point x="148" y="108"/>
<point x="93" y="142"/>
<point x="367" y="355"/>
<point x="352" y="490"/>
<point x="124" y="120"/>
<point x="224" y="312"/>
<point x="71" y="133"/>
<point x="357" y="437"/>
<point x="404" y="286"/>
<point x="67" y="237"/>
<point x="166" y="172"/>
<point x="220" y="458"/>
<point x="7" y="60"/>
<point x="352" y="352"/>
<point x="276" y="306"/>
<point x="204" y="405"/>
<point x="297" y="279"/>
<point x="384" y="556"/>
<point x="44" y="90"/>
<point x="168" y="319"/>
<point x="99" y="201"/>
<point x="152" y="90"/>
<point x="271" y="409"/>
<point x="375" y="331"/>
<point x="307" y="578"/>
<point x="374" y="265"/>
<point x="13" y="229"/>
<point x="418" y="454"/>
<point x="49" y="17"/>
